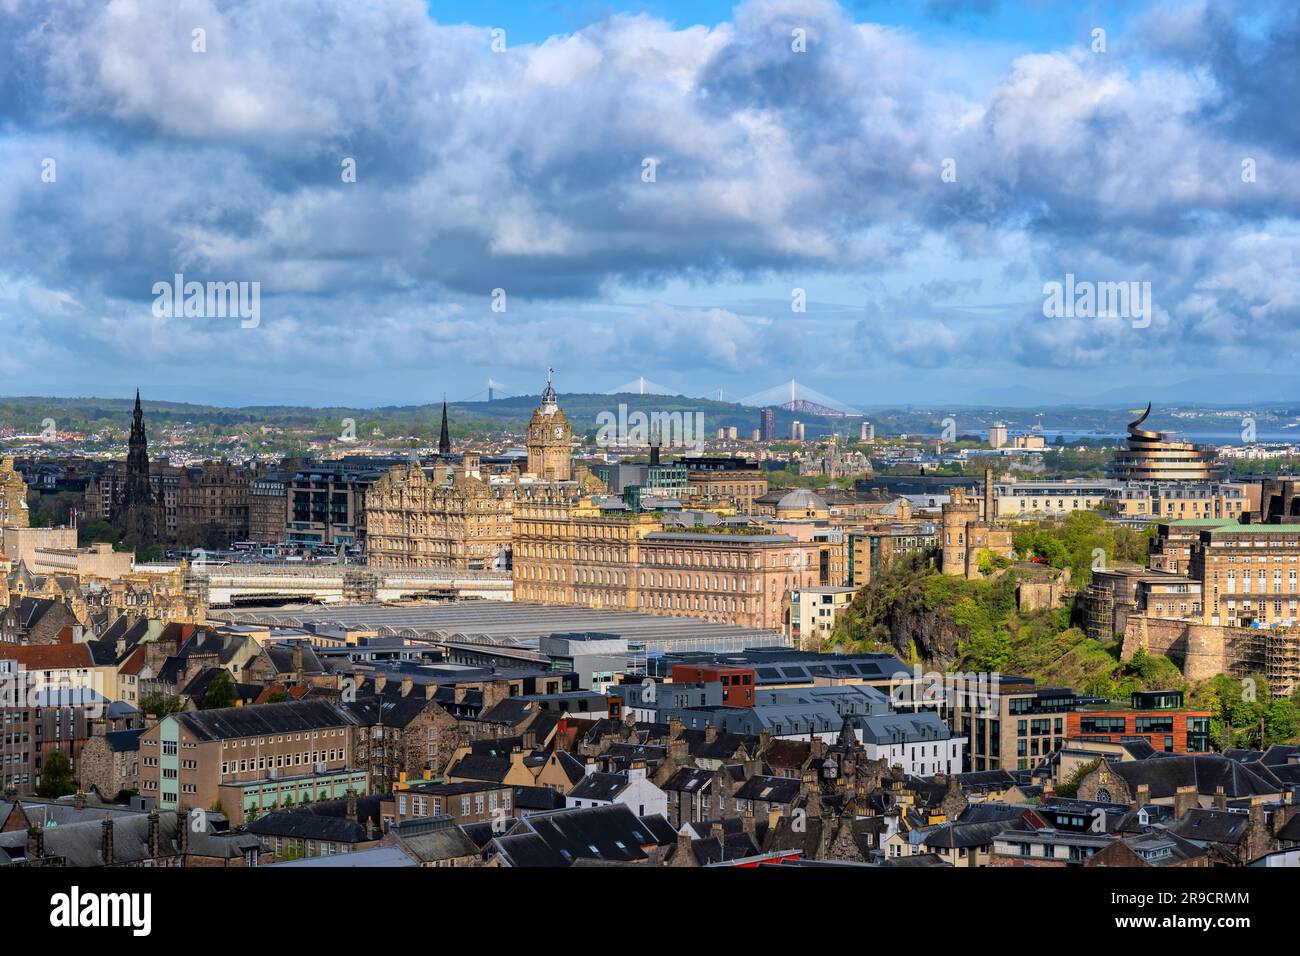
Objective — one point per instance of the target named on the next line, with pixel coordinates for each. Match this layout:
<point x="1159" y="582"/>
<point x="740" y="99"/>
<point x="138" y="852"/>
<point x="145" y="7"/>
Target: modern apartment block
<point x="1013" y="724"/>
<point x="1156" y="716"/>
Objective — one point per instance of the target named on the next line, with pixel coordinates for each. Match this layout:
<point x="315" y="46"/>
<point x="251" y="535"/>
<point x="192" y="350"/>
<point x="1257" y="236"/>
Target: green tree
<point x="96" y="531"/>
<point x="1069" y="787"/>
<point x="158" y="705"/>
<point x="220" y="692"/>
<point x="56" y="776"/>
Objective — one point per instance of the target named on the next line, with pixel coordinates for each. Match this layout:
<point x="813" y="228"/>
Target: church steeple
<point x="444" y="437"/>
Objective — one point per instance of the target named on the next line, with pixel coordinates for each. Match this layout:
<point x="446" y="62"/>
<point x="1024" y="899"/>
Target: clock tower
<point x="550" y="439"/>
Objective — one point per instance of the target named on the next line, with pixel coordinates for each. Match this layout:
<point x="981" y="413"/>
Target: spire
<point x="548" y="396"/>
<point x="134" y="506"/>
<point x="444" y="437"/>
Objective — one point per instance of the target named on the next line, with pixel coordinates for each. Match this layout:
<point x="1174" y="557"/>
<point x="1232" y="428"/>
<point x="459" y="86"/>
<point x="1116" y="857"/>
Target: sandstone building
<point x="13" y="497"/>
<point x="550" y="439"/>
<point x="440" y="518"/>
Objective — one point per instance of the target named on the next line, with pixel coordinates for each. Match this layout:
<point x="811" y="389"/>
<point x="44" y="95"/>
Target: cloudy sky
<point x="918" y="168"/>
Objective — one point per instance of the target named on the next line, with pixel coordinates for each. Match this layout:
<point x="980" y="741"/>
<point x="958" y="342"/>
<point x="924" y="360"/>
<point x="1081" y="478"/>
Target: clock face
<point x="559" y="431"/>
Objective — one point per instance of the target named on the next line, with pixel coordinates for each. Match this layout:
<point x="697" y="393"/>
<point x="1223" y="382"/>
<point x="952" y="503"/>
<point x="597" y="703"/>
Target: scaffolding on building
<point x="1275" y="651"/>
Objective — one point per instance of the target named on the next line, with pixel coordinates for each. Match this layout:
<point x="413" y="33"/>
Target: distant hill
<point x="512" y="414"/>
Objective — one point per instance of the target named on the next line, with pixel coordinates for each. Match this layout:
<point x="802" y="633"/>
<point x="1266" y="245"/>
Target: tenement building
<point x="268" y="508"/>
<point x="736" y="480"/>
<point x="212" y="505"/>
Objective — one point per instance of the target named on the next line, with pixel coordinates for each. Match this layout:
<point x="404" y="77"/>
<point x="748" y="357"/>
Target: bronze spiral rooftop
<point x="1141" y="434"/>
<point x="1153" y="456"/>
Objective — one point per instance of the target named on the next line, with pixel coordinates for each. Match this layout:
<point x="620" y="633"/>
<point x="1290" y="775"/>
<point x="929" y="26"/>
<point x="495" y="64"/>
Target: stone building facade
<point x="968" y="533"/>
<point x="13" y="496"/>
<point x="212" y="505"/>
<point x="440" y="519"/>
<point x="268" y="508"/>
<point x="550" y="439"/>
<point x="566" y="553"/>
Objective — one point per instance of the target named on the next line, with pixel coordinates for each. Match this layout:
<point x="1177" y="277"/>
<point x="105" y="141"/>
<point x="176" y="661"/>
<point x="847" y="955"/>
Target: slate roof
<point x="984" y="781"/>
<point x="689" y="780"/>
<point x="434" y="846"/>
<point x="1156" y="813"/>
<point x="496" y="746"/>
<point x="1180" y="849"/>
<point x="920" y="860"/>
<point x="537" y="798"/>
<point x="622" y="755"/>
<point x="1289" y="832"/>
<point x="722" y="747"/>
<point x="511" y="712"/>
<point x="600" y="786"/>
<point x="991" y="813"/>
<point x="902" y="728"/>
<point x="376" y="856"/>
<point x="1139" y="749"/>
<point x="481" y="834"/>
<point x="80" y="844"/>
<point x="967" y="835"/>
<point x="296" y="824"/>
<point x="770" y="789"/>
<point x="369" y="809"/>
<point x="611" y="832"/>
<point x="197" y="688"/>
<point x="787" y="754"/>
<point x="395" y="713"/>
<point x="262" y="719"/>
<point x="281" y="657"/>
<point x="1280" y="754"/>
<point x="730" y="846"/>
<point x="121" y="741"/>
<point x="1164" y="776"/>
<point x="28" y="611"/>
<point x="573" y="768"/>
<point x="474" y="767"/>
<point x="1207" y="825"/>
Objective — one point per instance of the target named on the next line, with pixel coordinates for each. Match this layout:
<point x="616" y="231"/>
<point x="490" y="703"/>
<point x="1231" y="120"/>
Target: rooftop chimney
<point x="106" y="841"/>
<point x="155" y="836"/>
